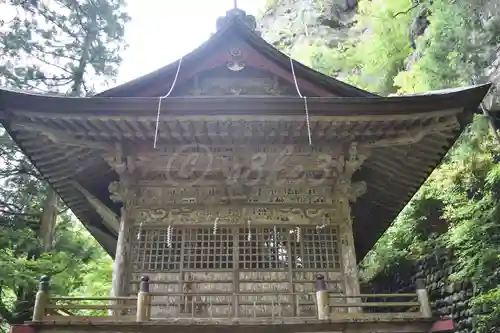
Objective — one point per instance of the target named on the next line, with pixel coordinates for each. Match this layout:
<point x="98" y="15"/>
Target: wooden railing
<point x="326" y="305"/>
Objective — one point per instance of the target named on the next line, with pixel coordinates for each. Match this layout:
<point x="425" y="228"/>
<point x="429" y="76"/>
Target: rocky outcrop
<point x="288" y="23"/>
<point x="491" y="21"/>
<point x="294" y="25"/>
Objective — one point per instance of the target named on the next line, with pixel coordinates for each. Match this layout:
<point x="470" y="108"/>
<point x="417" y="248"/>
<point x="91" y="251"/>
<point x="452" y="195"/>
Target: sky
<point x="161" y="31"/>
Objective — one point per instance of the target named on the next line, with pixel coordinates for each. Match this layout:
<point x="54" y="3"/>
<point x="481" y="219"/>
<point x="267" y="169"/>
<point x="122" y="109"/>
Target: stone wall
<point x="450" y="298"/>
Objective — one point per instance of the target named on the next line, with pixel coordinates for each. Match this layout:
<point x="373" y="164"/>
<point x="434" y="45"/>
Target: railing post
<point x="322" y="299"/>
<point x="143" y="301"/>
<point x="42" y="298"/>
<point x="423" y="299"/>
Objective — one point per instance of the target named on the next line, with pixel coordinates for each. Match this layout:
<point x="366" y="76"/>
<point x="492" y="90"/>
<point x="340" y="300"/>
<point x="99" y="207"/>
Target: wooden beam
<point x="107" y="215"/>
<point x="60" y="137"/>
<point x="121" y="273"/>
<point x="413" y="136"/>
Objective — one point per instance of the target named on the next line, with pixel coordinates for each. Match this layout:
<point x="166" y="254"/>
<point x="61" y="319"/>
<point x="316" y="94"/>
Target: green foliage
<point x="452" y="49"/>
<point x="381" y="51"/>
<point x="64" y="47"/>
<point x="372" y="60"/>
<point x="487" y="306"/>
<point x="75" y="256"/>
<point x="46" y="45"/>
<point x="458" y="208"/>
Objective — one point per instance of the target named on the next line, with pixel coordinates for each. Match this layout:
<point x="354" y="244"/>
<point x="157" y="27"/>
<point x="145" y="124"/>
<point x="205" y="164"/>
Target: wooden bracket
<point x="108" y="216"/>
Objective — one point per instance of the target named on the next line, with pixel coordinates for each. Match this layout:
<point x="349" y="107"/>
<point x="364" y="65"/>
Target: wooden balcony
<point x="408" y="312"/>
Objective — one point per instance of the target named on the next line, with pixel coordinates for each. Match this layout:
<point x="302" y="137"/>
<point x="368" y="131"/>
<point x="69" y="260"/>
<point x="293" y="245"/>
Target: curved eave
<point x="239" y="29"/>
<point x="389" y="170"/>
<point x="90" y="220"/>
<point x="392" y="189"/>
<point x="12" y="101"/>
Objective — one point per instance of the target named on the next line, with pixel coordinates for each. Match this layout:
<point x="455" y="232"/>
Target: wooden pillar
<point x="48" y="220"/>
<point x="121" y="276"/>
<point x="322" y="298"/>
<point x="143" y="301"/>
<point x="42" y="299"/>
<point x="423" y="299"/>
<point x="349" y="264"/>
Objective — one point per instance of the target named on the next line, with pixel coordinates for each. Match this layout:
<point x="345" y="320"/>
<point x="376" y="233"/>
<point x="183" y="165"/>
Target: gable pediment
<point x="239" y="56"/>
<point x="236" y="80"/>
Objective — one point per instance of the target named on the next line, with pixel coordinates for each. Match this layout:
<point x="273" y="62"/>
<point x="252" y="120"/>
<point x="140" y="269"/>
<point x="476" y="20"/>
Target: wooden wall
<point x="271" y="235"/>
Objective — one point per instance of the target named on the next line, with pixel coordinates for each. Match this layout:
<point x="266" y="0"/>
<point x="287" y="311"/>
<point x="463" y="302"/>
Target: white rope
<point x="163" y="97"/>
<point x="216" y="221"/>
<point x="139" y="232"/>
<point x="305" y="101"/>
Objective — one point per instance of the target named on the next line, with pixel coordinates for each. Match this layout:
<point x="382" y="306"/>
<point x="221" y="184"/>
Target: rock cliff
<point x="296" y="25"/>
<point x="291" y="23"/>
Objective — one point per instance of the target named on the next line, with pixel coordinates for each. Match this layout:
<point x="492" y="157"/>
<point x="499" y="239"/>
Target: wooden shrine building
<point x="215" y="176"/>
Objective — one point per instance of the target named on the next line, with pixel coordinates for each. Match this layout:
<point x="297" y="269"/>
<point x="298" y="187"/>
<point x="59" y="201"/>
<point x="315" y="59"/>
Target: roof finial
<point x="237" y="14"/>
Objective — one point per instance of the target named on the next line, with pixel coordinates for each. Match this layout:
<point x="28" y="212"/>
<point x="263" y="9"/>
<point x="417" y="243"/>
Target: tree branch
<point x="406" y="11"/>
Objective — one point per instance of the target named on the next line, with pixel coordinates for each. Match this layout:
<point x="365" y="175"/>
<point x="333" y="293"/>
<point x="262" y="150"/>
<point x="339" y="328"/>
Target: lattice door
<point x="269" y="261"/>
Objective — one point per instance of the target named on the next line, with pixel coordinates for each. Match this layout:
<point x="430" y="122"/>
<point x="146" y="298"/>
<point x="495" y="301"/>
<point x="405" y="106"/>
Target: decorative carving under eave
<point x="286" y="161"/>
<point x="357" y="190"/>
<point x="118" y="192"/>
<point x="237" y="62"/>
<point x="354" y="159"/>
<point x="116" y="160"/>
<point x="291" y="184"/>
<point x="239" y="215"/>
<point x="222" y="194"/>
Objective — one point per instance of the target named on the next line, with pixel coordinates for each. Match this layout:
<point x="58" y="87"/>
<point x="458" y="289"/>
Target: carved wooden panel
<point x="270" y="226"/>
<point x="238" y="86"/>
<point x="189" y="158"/>
<point x="236" y="79"/>
<point x="227" y="214"/>
<point x="222" y="194"/>
<point x="212" y="175"/>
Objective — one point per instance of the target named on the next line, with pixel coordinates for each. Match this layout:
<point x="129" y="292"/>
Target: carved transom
<point x="235" y="83"/>
<point x="261" y="184"/>
<point x="237" y="86"/>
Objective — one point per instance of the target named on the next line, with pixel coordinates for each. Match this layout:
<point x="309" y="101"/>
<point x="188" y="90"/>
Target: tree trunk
<point x="78" y="75"/>
<point x="48" y="220"/>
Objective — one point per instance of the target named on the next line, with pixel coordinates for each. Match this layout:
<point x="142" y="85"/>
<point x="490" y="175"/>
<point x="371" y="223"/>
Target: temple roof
<point x="63" y="136"/>
<point x="260" y="54"/>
